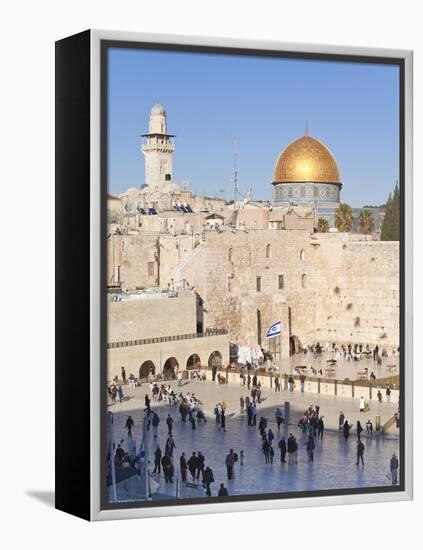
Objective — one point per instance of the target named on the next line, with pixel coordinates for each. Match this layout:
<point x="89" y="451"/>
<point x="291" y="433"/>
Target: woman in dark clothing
<point x="310" y="447"/>
<point x="346" y="430"/>
<point x="183" y="466"/>
<point x="222" y="421"/>
<point x="320" y="428"/>
<point x="207" y="479"/>
<point x="359" y="429"/>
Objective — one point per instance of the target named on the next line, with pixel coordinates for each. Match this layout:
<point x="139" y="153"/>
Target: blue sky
<point x="216" y="104"/>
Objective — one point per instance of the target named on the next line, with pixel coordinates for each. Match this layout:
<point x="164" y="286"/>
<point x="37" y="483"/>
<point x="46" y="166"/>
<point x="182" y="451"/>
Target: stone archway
<point x="193" y="362"/>
<point x="146" y="368"/>
<point x="215" y="359"/>
<point x="169" y="368"/>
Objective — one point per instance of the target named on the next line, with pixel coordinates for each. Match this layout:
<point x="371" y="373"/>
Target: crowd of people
<point x="193" y="466"/>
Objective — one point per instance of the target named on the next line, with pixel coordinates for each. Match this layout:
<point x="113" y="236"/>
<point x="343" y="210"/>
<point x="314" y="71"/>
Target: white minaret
<point x="157" y="147"/>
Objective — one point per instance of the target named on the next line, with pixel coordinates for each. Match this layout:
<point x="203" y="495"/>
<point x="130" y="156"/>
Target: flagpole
<point x="280" y="360"/>
<point x="112" y="456"/>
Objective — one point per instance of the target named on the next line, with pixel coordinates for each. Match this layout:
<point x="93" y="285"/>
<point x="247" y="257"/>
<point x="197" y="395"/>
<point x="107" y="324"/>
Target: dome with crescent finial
<point x="158" y="109"/>
<point x="306" y="160"/>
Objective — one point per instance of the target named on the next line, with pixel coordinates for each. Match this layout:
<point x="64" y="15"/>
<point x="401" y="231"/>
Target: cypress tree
<point x="391" y="221"/>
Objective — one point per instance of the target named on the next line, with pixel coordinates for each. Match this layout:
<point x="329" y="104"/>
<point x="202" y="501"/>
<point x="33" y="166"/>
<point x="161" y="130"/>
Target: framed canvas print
<point x="234" y="292"/>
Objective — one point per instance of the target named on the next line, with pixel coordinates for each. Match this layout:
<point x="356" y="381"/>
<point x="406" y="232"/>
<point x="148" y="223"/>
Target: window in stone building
<point x="268" y="251"/>
<point x="303" y="280"/>
<point x="151" y="269"/>
<point x="280" y="282"/>
<point x="230" y="255"/>
<point x="302" y="255"/>
<point x="258" y="284"/>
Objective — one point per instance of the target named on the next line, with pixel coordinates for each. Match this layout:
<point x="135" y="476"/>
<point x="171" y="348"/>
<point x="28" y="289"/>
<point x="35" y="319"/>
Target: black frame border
<point x="105" y="45"/>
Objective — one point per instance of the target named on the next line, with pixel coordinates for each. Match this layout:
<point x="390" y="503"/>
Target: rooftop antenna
<point x="306" y="128"/>
<point x="235" y="174"/>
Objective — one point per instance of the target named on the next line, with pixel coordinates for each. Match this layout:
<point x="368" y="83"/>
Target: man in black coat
<point x="157" y="459"/>
<point x="223" y="492"/>
<point x="192" y="465"/>
<point x="167" y="468"/>
<point x="282" y="447"/>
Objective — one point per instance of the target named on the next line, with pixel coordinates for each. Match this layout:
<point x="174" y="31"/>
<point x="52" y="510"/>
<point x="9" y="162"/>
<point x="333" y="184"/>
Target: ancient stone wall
<point x="335" y="287"/>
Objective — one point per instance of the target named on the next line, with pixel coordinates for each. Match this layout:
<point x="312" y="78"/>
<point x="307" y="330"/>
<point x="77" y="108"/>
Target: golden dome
<point x="306" y="160"/>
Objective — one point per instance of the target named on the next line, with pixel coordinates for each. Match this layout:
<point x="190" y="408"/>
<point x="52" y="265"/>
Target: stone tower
<point x="157" y="147"/>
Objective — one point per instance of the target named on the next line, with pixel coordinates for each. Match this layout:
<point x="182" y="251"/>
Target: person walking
<point x="129" y="424"/>
<point x="254" y="415"/>
<point x="282" y="447"/>
<point x="341" y="421"/>
<point x="388" y="394"/>
<point x="250" y="413"/>
<point x="170" y="445"/>
<point x="207" y="480"/>
<point x="362" y="404"/>
<point x="223" y="492"/>
<point x="270" y="437"/>
<point x="192" y="465"/>
<point x="271" y="454"/>
<point x="155" y="422"/>
<point x="291" y="449"/>
<point x="147" y="402"/>
<point x="320" y="428"/>
<point x="169" y="422"/>
<point x="394" y="464"/>
<point x="359" y="429"/>
<point x="222" y="421"/>
<point x="279" y="418"/>
<point x="120" y="393"/>
<point x="157" y="459"/>
<point x="230" y="461"/>
<point x="310" y="448"/>
<point x="346" y="429"/>
<point x="360" y="452"/>
<point x="369" y="427"/>
<point x="167" y="468"/>
<point x="266" y="450"/>
<point x="241" y="404"/>
<point x="123" y="374"/>
<point x="200" y="464"/>
<point x="183" y="466"/>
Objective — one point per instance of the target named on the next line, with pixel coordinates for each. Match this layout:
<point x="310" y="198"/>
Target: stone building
<point x="161" y="332"/>
<point x="249" y="264"/>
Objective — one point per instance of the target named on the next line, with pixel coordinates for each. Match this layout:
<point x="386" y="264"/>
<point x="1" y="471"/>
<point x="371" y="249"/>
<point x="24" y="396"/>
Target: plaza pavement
<point x="211" y="393"/>
<point x="334" y="466"/>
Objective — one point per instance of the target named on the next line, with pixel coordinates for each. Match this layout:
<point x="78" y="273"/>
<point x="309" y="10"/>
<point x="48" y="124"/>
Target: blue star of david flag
<point x="274" y="330"/>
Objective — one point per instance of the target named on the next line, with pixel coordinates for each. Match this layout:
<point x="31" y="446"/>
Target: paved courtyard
<point x="334" y="464"/>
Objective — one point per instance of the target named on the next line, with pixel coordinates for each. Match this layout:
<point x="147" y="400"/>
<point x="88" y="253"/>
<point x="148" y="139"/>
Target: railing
<point x="389" y="423"/>
<point x="160" y="339"/>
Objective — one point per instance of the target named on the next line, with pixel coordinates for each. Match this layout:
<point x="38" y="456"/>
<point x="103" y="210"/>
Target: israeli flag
<point x="274" y="330"/>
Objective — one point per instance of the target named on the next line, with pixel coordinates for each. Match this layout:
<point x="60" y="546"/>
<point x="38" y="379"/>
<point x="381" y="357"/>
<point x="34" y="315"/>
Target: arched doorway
<point x="193" y="362"/>
<point x="169" y="368"/>
<point x="215" y="359"/>
<point x="147" y="368"/>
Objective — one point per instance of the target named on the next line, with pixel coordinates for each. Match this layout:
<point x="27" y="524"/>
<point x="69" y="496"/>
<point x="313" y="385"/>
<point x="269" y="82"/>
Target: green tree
<point x="343" y="218"/>
<point x="366" y="221"/>
<point x="322" y="225"/>
<point x="391" y="221"/>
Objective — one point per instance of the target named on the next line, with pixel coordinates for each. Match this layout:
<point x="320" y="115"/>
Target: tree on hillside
<point x="391" y="220"/>
<point x="322" y="225"/>
<point x="366" y="221"/>
<point x="343" y="218"/>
